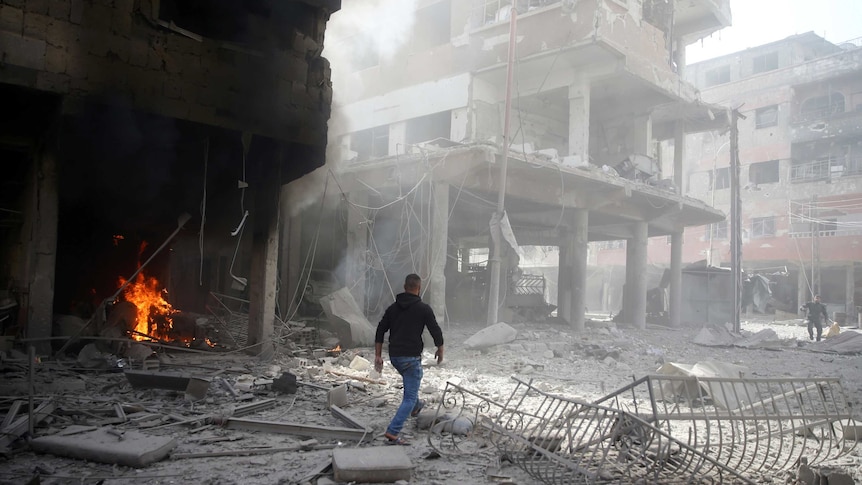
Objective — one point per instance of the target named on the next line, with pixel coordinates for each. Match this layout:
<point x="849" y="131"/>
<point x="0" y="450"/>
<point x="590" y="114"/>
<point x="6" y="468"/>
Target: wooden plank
<point x="13" y="411"/>
<point x="326" y="432"/>
<point x="20" y="426"/>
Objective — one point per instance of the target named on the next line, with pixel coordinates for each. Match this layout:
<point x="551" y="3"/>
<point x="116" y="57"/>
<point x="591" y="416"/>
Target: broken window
<point x="718" y="230"/>
<point x="366" y="53"/>
<point x="762" y="226"/>
<point x="763" y="172"/>
<point x="766" y="62"/>
<point x="718" y="75"/>
<point x="722" y="178"/>
<point x="370" y="143"/>
<point x="822" y="106"/>
<point x="432" y="26"/>
<point x="487" y="12"/>
<point x="766" y="116"/>
<point x="425" y="128"/>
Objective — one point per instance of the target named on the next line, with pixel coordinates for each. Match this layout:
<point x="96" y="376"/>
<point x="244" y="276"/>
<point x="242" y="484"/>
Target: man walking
<point x="815" y="311"/>
<point x="405" y="320"/>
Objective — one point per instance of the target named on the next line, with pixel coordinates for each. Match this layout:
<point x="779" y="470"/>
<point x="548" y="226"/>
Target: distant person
<point x="815" y="310"/>
<point x="405" y="320"/>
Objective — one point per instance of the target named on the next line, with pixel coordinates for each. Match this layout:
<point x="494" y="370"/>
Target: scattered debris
<point x="369" y="465"/>
<point x="497" y="334"/>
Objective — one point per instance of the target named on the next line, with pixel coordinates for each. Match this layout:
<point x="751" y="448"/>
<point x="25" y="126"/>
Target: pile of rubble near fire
<point x="526" y="403"/>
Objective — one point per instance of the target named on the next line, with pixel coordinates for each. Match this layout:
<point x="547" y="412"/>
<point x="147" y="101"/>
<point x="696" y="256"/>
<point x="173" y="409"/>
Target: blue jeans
<point x="410" y="369"/>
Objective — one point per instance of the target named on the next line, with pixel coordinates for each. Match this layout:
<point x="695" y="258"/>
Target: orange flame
<point x="154" y="312"/>
<point x="336" y="349"/>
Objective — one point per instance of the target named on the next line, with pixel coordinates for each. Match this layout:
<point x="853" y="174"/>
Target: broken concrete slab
<point x="325" y="432"/>
<point x="337" y="396"/>
<point x="286" y="383"/>
<point x="497" y="334"/>
<point x="371" y="465"/>
<point x="132" y="448"/>
<point x="345" y="314"/>
<point x="157" y="380"/>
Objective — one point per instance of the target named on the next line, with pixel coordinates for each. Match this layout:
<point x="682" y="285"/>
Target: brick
<point x="173" y="63"/>
<point x="59" y="9"/>
<point x="53" y="82"/>
<point x="138" y="51"/>
<point x="11" y="19"/>
<point x="22" y="51"/>
<point x="55" y="59"/>
<point x="118" y="48"/>
<point x="15" y="3"/>
<point x="37" y="6"/>
<point x="121" y="21"/>
<point x="172" y="90"/>
<point x="76" y="11"/>
<point x="155" y="60"/>
<point x="36" y="25"/>
<point x="76" y="66"/>
<point x="96" y="17"/>
<point x="63" y="35"/>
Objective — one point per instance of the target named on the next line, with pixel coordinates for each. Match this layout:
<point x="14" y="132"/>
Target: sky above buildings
<point x="757" y="22"/>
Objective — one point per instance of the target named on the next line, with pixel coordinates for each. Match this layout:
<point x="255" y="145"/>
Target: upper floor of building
<point x="426" y="40"/>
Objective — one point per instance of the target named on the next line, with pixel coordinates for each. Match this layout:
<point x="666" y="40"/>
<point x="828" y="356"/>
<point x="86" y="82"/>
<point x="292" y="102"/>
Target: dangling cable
<point x="203" y="212"/>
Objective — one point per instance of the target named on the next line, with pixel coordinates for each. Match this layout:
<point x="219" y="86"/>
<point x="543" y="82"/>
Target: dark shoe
<point x="395" y="440"/>
<point x="417" y="408"/>
<point x="811" y="337"/>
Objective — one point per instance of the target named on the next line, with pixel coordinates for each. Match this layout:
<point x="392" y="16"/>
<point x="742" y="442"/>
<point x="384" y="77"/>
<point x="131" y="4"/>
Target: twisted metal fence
<point x="659" y="429"/>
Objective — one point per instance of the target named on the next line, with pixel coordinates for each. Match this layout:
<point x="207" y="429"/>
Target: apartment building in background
<point x="800" y="149"/>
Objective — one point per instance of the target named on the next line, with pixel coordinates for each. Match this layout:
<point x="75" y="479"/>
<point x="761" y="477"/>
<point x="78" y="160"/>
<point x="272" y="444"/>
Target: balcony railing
<point x="827" y="169"/>
<point x="486" y="12"/>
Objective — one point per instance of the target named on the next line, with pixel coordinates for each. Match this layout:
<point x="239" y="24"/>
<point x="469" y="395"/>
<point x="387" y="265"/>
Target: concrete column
<point x="290" y="250"/>
<point x="264" y="257"/>
<point x="802" y="293"/>
<point x="578" y="267"/>
<point x="675" y="297"/>
<point x="679" y="58"/>
<point x="41" y="248"/>
<point x="579" y="120"/>
<point x="678" y="154"/>
<point x="357" y="246"/>
<point x="636" y="281"/>
<point x="435" y="286"/>
<point x="641" y="142"/>
<point x="851" y="290"/>
<point x="564" y="282"/>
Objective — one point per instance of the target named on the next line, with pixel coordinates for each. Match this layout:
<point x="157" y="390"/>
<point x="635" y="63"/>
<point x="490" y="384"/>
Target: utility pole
<point x="735" y="219"/>
<point x="496" y="260"/>
<point x="813" y="216"/>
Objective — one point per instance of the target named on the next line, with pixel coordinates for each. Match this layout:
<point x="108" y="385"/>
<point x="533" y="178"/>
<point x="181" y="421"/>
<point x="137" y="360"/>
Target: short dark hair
<point x="412" y="281"/>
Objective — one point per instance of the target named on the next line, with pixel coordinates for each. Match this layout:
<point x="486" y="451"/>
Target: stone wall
<point x="275" y="84"/>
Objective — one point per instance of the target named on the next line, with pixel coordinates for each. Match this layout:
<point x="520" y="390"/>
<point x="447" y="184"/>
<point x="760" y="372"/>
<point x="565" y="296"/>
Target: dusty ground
<point x="573" y="374"/>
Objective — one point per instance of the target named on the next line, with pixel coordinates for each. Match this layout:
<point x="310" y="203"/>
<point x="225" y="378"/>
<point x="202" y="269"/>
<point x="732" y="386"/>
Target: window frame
<point x="757" y="168"/>
<point x="765" y="67"/>
<point x="720" y="75"/>
<point x="759" y="114"/>
<point x="762" y="227"/>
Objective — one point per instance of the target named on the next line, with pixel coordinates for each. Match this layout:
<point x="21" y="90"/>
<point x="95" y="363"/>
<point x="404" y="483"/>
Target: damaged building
<point x="418" y="138"/>
<point x="150" y="138"/>
<point x="799" y="149"/>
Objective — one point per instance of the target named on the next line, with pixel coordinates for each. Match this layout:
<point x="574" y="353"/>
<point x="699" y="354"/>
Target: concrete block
<point x="37" y="6"/>
<point x="371" y="465"/>
<point x="121" y="20"/>
<point x="55" y="59"/>
<point x="132" y="448"/>
<point x="63" y="35"/>
<point x="59" y="9"/>
<point x="337" y="396"/>
<point x="11" y="19"/>
<point x="36" y="25"/>
<point x="22" y="51"/>
<point x="53" y="82"/>
<point x="76" y="11"/>
<point x="853" y="432"/>
<point x="15" y="3"/>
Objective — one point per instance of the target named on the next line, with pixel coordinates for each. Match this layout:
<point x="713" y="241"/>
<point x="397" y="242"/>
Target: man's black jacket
<point x="405" y="320"/>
